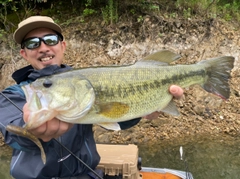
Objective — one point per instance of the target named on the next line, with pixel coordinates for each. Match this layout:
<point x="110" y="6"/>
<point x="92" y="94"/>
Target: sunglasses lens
<point x="50" y="40"/>
<point x="32" y="43"/>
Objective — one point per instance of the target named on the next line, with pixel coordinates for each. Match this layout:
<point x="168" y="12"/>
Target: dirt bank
<point x="94" y="44"/>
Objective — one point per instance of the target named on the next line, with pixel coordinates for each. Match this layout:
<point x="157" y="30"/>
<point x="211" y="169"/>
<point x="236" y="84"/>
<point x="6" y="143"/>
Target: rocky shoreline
<point x="93" y="44"/>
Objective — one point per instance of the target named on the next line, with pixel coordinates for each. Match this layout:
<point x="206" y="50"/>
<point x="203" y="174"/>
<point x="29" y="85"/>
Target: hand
<point x="51" y="129"/>
<point x="176" y="91"/>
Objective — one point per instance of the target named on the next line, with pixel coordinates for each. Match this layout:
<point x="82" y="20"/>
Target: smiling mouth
<point x="46" y="59"/>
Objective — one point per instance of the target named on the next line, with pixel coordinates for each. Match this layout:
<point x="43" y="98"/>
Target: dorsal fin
<point x="164" y="56"/>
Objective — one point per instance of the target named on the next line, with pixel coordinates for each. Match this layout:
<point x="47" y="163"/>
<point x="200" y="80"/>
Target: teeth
<point x="46" y="59"/>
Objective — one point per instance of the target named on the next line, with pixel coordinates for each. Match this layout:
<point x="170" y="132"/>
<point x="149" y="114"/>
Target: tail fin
<point x="219" y="72"/>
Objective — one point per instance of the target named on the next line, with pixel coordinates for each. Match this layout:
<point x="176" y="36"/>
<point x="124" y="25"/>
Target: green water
<point x="206" y="157"/>
<point x="5" y="154"/>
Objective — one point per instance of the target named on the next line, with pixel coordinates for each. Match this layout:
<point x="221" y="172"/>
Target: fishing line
<point x="10" y="101"/>
<point x="182" y="157"/>
<point x="86" y="165"/>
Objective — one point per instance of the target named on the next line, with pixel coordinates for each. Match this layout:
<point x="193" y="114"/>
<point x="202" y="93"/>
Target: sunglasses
<point x="35" y="42"/>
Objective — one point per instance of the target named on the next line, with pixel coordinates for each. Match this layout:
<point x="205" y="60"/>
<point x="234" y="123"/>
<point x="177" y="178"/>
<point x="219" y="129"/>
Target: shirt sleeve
<point x="11" y="114"/>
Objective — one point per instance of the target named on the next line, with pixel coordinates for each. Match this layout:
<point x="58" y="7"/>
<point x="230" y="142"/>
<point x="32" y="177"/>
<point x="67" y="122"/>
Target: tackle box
<point x="122" y="162"/>
<point x="119" y="161"/>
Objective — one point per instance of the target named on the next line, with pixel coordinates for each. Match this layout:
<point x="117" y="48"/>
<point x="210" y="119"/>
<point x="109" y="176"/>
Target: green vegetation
<point x="13" y="11"/>
<point x="225" y="9"/>
<point x="110" y="12"/>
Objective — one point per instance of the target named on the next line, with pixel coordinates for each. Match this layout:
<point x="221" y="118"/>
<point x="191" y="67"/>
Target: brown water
<point x="206" y="157"/>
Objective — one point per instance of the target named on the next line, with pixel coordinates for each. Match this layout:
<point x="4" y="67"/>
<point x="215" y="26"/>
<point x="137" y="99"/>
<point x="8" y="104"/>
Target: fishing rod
<point x="81" y="161"/>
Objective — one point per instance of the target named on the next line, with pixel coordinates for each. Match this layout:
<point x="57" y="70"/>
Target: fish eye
<point x="47" y="83"/>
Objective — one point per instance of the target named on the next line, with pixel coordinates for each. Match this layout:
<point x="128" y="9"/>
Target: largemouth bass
<point x="108" y="95"/>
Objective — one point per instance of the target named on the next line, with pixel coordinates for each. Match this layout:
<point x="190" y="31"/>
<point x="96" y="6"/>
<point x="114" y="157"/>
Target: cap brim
<point x="23" y="31"/>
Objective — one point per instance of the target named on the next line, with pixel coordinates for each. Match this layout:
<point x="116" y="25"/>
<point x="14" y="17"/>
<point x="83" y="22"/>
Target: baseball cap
<point x="32" y="23"/>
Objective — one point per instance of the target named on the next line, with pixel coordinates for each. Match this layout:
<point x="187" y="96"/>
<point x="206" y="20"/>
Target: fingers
<point x="51" y="129"/>
<point x="176" y="91"/>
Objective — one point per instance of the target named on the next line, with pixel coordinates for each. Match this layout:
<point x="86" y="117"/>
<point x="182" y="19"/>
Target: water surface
<point x="5" y="155"/>
<point x="206" y="157"/>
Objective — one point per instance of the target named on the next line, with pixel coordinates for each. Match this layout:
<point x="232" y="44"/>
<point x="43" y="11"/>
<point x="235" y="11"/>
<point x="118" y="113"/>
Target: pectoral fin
<point x="171" y="108"/>
<point x="110" y="126"/>
<point x="113" y="109"/>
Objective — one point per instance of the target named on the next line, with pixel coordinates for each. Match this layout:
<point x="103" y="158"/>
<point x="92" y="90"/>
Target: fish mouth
<point x="27" y="91"/>
<point x="39" y="113"/>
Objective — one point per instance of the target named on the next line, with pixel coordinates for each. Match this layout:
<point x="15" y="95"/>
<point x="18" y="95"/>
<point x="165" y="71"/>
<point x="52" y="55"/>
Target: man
<point x="43" y="46"/>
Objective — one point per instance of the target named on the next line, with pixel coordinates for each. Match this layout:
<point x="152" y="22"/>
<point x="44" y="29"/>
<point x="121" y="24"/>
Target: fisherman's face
<point x="44" y="55"/>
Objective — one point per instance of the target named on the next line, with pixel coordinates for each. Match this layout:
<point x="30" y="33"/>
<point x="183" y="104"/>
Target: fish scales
<point x="143" y="82"/>
<point x="142" y="87"/>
